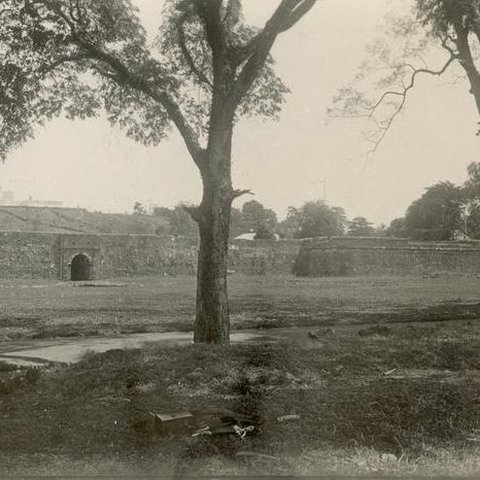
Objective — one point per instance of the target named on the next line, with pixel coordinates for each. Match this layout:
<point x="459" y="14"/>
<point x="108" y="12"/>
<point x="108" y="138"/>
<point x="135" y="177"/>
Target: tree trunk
<point x="468" y="63"/>
<point x="212" y="322"/>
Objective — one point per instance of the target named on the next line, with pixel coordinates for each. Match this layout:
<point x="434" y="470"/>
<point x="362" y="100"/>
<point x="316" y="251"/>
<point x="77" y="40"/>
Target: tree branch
<point x="239" y="193"/>
<point x="125" y="76"/>
<point x="244" y="51"/>
<point x="302" y="9"/>
<point x="186" y="53"/>
<point x="231" y="12"/>
<point x="257" y="50"/>
<point x="466" y="60"/>
<point x="209" y="12"/>
<point x="60" y="61"/>
<point x="385" y="126"/>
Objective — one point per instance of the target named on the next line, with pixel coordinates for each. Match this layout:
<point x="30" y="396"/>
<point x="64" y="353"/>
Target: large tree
<point x="471" y="202"/>
<point x="397" y="228"/>
<point x="437" y="214"/>
<point x="255" y="217"/>
<point x="360" y="227"/>
<point x="206" y="69"/>
<point x="316" y="219"/>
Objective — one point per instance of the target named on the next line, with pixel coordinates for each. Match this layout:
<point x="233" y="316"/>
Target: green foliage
<point x="264" y="233"/>
<point x="472" y="184"/>
<point x="255" y="217"/>
<point x="324" y="263"/>
<point x="85" y="58"/>
<point x="397" y="228"/>
<point x="443" y="211"/>
<point x="471" y="207"/>
<point x="264" y="98"/>
<point x="360" y="227"/>
<point x="441" y="17"/>
<point x="316" y="219"/>
<point x="437" y="214"/>
<point x="180" y="221"/>
<point x="139" y="209"/>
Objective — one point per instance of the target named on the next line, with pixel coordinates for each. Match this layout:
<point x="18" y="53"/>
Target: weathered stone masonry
<point x="28" y="255"/>
<point x="55" y="255"/>
<point x="127" y="255"/>
<point x="51" y="255"/>
<point x="342" y="256"/>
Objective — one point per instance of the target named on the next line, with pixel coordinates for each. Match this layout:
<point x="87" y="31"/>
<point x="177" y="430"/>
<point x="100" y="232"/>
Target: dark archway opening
<point x="81" y="268"/>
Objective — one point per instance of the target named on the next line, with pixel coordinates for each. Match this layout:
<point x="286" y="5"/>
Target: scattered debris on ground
<point x="202" y="422"/>
<point x="288" y="418"/>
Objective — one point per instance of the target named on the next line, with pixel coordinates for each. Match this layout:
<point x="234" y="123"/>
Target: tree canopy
<point x="444" y="211"/>
<point x="360" y="227"/>
<point x="82" y="58"/>
<point x="181" y="223"/>
<point x="256" y="217"/>
<point x="316" y="219"/>
<point x="437" y="214"/>
<point x="397" y="228"/>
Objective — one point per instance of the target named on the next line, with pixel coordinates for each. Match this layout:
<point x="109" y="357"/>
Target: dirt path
<point x="69" y="350"/>
<point x="40" y="352"/>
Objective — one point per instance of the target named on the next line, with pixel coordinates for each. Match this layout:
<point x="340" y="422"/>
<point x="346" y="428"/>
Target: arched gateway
<point x="81" y="268"/>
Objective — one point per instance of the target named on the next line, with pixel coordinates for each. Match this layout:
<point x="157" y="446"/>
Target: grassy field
<point x="386" y="397"/>
<point x="47" y="309"/>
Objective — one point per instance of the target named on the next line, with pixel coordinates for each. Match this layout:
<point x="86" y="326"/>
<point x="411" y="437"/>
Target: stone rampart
<point x="51" y="255"/>
<point x="28" y="255"/>
<point x="103" y="256"/>
<point x="344" y="256"/>
<point x="262" y="257"/>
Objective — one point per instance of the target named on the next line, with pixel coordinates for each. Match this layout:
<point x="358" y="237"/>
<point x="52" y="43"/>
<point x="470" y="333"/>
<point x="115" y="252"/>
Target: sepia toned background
<point x="89" y="164"/>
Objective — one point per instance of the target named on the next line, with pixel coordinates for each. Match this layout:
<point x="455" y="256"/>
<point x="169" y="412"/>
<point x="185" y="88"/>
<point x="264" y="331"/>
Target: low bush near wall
<point x="326" y="263"/>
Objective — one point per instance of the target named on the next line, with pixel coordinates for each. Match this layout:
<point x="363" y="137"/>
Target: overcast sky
<point x="91" y="165"/>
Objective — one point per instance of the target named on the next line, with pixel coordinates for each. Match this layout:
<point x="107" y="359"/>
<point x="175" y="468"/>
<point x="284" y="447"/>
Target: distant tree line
<point x="252" y="218"/>
<point x="444" y="212"/>
<point x="312" y="219"/>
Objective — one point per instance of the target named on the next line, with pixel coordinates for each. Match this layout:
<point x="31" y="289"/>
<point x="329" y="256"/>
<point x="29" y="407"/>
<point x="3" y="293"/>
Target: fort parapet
<point x="345" y="256"/>
<point x="82" y="256"/>
<point x="93" y="256"/>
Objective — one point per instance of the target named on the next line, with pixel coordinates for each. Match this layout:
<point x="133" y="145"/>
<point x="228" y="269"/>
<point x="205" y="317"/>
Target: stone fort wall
<point x="50" y="255"/>
<point x="345" y="256"/>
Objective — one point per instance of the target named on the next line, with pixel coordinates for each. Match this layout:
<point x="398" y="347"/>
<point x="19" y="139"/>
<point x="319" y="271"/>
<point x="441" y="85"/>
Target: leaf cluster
<point x="316" y="219"/>
<point x="82" y="58"/>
